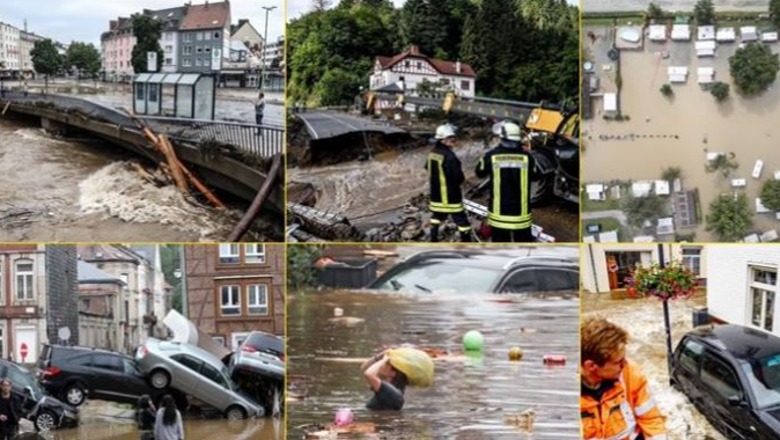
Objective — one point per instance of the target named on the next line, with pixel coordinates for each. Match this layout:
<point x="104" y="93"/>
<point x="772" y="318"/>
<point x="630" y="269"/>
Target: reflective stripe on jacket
<point x="509" y="169"/>
<point x="625" y="411"/>
<point x="445" y="178"/>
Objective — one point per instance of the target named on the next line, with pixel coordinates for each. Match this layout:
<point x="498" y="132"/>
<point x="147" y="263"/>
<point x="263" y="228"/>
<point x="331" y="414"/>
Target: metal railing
<point x="259" y="140"/>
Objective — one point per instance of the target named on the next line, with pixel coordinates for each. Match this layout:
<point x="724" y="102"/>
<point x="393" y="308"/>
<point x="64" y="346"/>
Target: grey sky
<point x="296" y="8"/>
<point x="85" y="20"/>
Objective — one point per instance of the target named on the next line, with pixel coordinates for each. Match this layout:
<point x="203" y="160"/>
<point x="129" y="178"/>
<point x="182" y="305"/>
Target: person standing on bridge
<point x="445" y="177"/>
<point x="259" y="111"/>
<point x="509" y="168"/>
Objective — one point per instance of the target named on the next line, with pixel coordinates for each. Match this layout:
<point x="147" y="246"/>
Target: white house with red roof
<point x="405" y="71"/>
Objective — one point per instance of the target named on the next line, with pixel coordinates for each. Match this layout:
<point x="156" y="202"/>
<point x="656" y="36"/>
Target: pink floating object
<point x="554" y="359"/>
<point x="344" y="417"/>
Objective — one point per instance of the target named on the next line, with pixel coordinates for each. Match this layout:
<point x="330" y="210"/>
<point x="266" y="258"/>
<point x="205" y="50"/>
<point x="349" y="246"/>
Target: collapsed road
<point x="370" y="184"/>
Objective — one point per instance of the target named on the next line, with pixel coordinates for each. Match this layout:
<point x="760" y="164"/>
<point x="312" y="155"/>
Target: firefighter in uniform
<point x="509" y="168"/>
<point x="446" y="177"/>
<point x="615" y="399"/>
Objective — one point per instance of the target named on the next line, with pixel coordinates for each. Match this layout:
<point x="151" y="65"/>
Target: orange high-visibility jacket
<point x="625" y="411"/>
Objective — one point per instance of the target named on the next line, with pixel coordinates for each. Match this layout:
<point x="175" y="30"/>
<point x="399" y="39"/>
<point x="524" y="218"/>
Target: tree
<point x="422" y="25"/>
<point x="640" y="209"/>
<point x="338" y="86"/>
<point x="667" y="91"/>
<point x="46" y="59"/>
<point x="753" y="68"/>
<point x="729" y="217"/>
<point x="83" y="57"/>
<point x="723" y="164"/>
<point x="704" y="12"/>
<point x="321" y="5"/>
<point x="147" y="32"/>
<point x="770" y="194"/>
<point x="671" y="173"/>
<point x="654" y="12"/>
<point x="720" y="90"/>
<point x="774" y="12"/>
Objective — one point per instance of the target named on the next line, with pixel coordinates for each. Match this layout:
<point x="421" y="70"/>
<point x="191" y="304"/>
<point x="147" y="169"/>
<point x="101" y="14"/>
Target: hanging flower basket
<point x="674" y="281"/>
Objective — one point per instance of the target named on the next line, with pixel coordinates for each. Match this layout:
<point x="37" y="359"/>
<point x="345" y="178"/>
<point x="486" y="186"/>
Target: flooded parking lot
<point x="679" y="131"/>
<point x="643" y="319"/>
<point x="473" y="397"/>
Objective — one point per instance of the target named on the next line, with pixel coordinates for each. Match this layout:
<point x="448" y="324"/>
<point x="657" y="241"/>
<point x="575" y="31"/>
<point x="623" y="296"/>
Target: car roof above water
<point x="740" y="342"/>
<point x="501" y="258"/>
<point x="178" y="347"/>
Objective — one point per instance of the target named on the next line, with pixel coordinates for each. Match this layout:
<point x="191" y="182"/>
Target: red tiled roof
<point x="441" y="66"/>
<point x="206" y="16"/>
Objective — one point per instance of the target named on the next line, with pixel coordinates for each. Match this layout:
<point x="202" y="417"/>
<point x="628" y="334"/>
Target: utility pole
<point x="265" y="45"/>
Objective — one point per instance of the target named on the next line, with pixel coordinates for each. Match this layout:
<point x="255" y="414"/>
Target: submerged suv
<point x="504" y="270"/>
<point x="732" y="375"/>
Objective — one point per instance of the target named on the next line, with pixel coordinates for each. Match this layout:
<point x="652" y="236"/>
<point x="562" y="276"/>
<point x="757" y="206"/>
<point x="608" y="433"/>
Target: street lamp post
<point x="265" y="45"/>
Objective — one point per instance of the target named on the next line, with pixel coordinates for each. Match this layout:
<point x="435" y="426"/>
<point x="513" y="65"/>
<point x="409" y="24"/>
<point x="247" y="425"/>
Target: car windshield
<point x="764" y="379"/>
<point x="24" y="378"/>
<point x="266" y="341"/>
<point x="441" y="277"/>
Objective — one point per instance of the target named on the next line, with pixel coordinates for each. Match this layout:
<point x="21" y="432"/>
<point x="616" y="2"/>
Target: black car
<point x="263" y="342"/>
<point x="506" y="270"/>
<point x="46" y="412"/>
<point x="73" y="373"/>
<point x="732" y="375"/>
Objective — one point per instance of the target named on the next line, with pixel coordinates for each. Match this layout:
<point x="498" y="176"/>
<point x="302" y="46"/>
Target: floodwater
<point x="645" y="323"/>
<point x="58" y="190"/>
<point x="671" y="5"/>
<point x="363" y="190"/>
<point x="743" y="126"/>
<point x="473" y="397"/>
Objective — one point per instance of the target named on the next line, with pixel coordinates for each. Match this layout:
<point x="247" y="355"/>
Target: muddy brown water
<point x="471" y="396"/>
<point x="645" y="323"/>
<point x="360" y="189"/>
<point x="103" y="420"/>
<point x="739" y="125"/>
<point x="65" y="190"/>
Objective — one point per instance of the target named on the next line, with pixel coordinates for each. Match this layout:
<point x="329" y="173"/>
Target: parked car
<point x="519" y="270"/>
<point x="261" y="376"/>
<point x="46" y="412"/>
<point x="732" y="375"/>
<point x="195" y="372"/>
<point x="263" y="342"/>
<point x="75" y="373"/>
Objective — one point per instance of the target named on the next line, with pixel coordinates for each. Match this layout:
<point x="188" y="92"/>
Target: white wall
<point x="728" y="294"/>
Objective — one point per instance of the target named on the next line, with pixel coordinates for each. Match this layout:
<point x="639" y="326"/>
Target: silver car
<point x="196" y="372"/>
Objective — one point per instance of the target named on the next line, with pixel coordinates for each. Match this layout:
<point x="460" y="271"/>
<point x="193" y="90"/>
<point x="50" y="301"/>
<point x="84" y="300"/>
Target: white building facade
<point x="412" y="69"/>
<point x="743" y="287"/>
<point x="10" y="40"/>
<point x="606" y="266"/>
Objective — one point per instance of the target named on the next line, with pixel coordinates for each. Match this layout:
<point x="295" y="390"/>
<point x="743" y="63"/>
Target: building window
<point x="220" y="340"/>
<point x="186" y="62"/>
<point x="763" y="288"/>
<point x="229" y="254"/>
<point x="168" y="49"/>
<point x="188" y="37"/>
<point x="199" y="49"/>
<point x="200" y="36"/>
<point x="465" y="85"/>
<point x="216" y="35"/>
<point x="198" y="62"/>
<point x="24" y="279"/>
<point x="207" y="36"/>
<point x="168" y="61"/>
<point x="139" y="91"/>
<point x="254" y="253"/>
<point x="257" y="299"/>
<point x="230" y="297"/>
<point x="187" y="50"/>
<point x="691" y="258"/>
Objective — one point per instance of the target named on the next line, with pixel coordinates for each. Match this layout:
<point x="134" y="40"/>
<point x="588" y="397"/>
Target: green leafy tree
<point x="722" y="163"/>
<point x="300" y="270"/>
<point x="338" y="87"/>
<point x="753" y="68"/>
<point x="422" y="25"/>
<point x="704" y="12"/>
<point x="667" y="90"/>
<point x="729" y="217"/>
<point x="720" y="91"/>
<point x="671" y="173"/>
<point x="640" y="209"/>
<point x="83" y="57"/>
<point x="654" y="12"/>
<point x="774" y="12"/>
<point x="46" y="59"/>
<point x="770" y="194"/>
<point x="147" y="32"/>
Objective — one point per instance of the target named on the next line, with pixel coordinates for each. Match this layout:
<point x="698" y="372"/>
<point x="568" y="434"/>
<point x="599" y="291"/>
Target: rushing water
<point x="472" y="396"/>
<point x="64" y="190"/>
<point x="644" y="321"/>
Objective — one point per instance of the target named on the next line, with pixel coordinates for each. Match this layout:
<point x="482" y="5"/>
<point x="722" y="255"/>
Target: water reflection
<point x="474" y="396"/>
